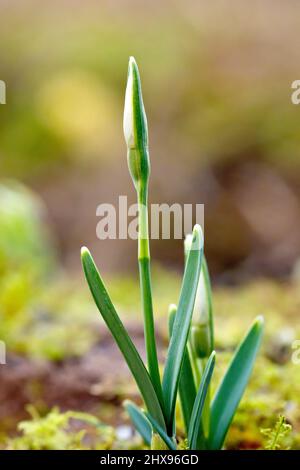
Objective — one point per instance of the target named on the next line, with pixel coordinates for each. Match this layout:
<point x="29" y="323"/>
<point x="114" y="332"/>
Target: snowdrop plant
<point x="190" y="357"/>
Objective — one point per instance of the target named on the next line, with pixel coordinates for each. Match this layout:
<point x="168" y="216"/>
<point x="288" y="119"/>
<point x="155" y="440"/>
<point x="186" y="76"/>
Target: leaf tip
<point x="172" y="309"/>
<point x="84" y="252"/>
<point x="197" y="240"/>
<point x="212" y="358"/>
<point x="85" y="255"/>
<point x="259" y="321"/>
<point x="213" y="355"/>
<point x="126" y="404"/>
<point x="132" y="61"/>
<point x="133" y="74"/>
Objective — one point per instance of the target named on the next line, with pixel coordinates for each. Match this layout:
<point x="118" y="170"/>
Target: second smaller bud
<point x="200" y="336"/>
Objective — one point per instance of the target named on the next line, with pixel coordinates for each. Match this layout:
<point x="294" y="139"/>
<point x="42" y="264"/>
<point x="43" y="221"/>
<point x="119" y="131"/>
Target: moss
<point x="62" y="431"/>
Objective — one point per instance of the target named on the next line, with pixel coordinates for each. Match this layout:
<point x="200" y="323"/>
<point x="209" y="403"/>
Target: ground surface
<point x="98" y="381"/>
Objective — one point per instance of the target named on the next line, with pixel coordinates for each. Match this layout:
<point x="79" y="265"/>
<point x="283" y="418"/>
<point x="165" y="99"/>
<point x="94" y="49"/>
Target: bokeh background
<point x="216" y="81"/>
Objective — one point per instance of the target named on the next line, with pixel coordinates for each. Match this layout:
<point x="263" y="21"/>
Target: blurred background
<point x="217" y="86"/>
<point x="216" y="79"/>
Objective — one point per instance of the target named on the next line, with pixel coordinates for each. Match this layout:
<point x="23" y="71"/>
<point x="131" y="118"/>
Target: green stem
<point x="146" y="291"/>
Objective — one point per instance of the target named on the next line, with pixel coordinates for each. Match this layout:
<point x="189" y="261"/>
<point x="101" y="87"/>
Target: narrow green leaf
<point x="121" y="336"/>
<point x="207" y="284"/>
<point x="187" y="389"/>
<point x="140" y="422"/>
<point x="157" y="428"/>
<point x="233" y="385"/>
<point x="195" y="428"/>
<point x="182" y="325"/>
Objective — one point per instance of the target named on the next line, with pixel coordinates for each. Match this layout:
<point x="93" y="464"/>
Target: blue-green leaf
<point x="121" y="337"/>
<point x="195" y="428"/>
<point x="207" y="284"/>
<point x="139" y="420"/>
<point x="157" y="428"/>
<point x="233" y="385"/>
<point x="187" y="388"/>
<point x="182" y="325"/>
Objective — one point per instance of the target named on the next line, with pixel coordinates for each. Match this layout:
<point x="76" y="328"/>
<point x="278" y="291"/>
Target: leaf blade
<point x="233" y="385"/>
<point x="182" y="325"/>
<point x="195" y="428"/>
<point x="117" y="329"/>
<point x="167" y="440"/>
<point x="207" y="284"/>
<point x="187" y="388"/>
<point x="139" y="420"/>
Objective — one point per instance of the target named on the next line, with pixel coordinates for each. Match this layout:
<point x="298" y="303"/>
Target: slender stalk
<point x="146" y="290"/>
<point x="136" y="137"/>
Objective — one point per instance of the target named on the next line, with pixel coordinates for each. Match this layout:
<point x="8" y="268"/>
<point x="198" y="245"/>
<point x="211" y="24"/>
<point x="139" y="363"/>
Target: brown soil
<point x="100" y="377"/>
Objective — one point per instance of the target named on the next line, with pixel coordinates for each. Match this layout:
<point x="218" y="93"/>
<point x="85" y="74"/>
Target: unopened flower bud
<point x="135" y="127"/>
<point x="202" y="321"/>
<point x="201" y="342"/>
